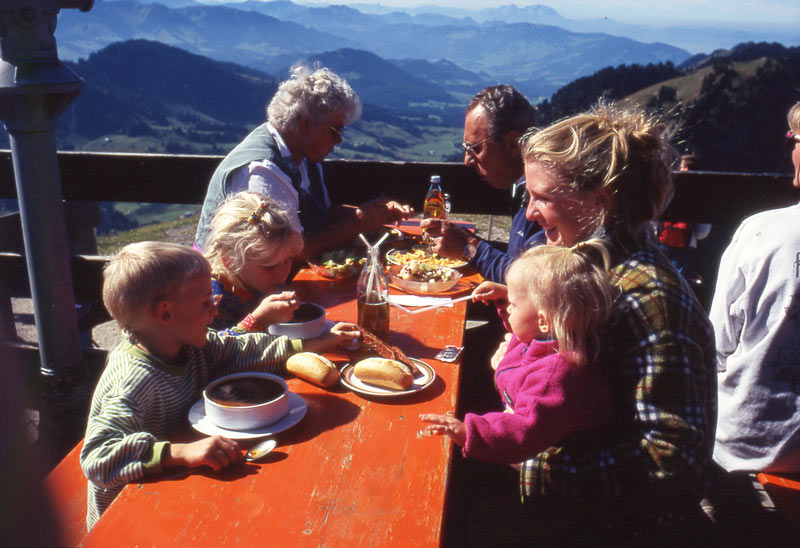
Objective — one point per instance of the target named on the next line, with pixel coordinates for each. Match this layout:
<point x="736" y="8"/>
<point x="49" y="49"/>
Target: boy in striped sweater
<point x="160" y="293"/>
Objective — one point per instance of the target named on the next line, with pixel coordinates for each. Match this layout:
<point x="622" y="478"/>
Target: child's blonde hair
<point x="143" y="274"/>
<point x="250" y="226"/>
<point x="622" y="151"/>
<point x="571" y="286"/>
<point x="794" y="118"/>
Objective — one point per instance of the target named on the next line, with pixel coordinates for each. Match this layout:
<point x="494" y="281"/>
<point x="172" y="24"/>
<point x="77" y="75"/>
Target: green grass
<point x="146" y="214"/>
<point x="179" y="231"/>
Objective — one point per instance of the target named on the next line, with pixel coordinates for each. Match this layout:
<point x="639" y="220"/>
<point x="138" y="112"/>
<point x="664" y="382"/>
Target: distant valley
<point x="204" y="81"/>
<point x="269" y="36"/>
<point x="145" y="96"/>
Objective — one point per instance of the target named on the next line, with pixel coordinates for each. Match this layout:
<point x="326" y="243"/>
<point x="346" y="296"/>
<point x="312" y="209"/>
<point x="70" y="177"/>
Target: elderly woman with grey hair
<point x="282" y="159"/>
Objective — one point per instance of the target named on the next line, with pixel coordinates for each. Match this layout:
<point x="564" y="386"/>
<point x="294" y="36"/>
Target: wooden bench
<point x="784" y="491"/>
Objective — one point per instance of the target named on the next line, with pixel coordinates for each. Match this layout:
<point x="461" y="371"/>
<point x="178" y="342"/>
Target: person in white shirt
<point x="756" y="317"/>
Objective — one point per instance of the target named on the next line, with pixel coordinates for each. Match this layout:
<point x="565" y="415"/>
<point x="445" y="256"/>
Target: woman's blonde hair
<point x="622" y="152"/>
<point x="571" y="286"/>
<point x="794" y="118"/>
<point x="143" y="274"/>
<point x="250" y="226"/>
<point x="317" y="94"/>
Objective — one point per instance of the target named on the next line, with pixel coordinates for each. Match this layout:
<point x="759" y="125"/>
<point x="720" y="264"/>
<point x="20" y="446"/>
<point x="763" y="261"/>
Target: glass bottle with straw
<point x="372" y="292"/>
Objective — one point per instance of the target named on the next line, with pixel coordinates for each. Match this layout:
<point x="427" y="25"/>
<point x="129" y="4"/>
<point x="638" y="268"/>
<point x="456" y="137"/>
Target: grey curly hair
<point x="318" y="94"/>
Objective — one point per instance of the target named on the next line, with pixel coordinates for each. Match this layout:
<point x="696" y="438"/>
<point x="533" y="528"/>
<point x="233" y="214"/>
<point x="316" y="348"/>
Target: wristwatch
<point x="471" y="248"/>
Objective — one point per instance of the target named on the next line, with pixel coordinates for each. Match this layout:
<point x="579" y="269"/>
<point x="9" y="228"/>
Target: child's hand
<point x="217" y="452"/>
<point x="448" y="426"/>
<point x="490" y="291"/>
<point x="342" y="333"/>
<point x="276" y="308"/>
<point x="500" y="353"/>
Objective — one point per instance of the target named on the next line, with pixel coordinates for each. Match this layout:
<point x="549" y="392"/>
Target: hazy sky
<point x="750" y="12"/>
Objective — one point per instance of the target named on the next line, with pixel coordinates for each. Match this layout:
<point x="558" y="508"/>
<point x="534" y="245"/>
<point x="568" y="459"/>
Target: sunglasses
<point x="474" y="147"/>
<point x="336" y="132"/>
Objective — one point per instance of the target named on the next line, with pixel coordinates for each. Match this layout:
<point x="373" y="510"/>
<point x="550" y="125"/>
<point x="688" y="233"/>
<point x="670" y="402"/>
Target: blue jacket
<point x="493" y="263"/>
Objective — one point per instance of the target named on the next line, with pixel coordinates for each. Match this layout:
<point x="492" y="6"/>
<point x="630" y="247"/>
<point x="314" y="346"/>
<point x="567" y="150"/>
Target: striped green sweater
<point x="139" y="400"/>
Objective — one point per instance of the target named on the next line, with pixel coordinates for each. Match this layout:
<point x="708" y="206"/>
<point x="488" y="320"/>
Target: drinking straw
<point x="385" y="235"/>
<point x="371" y="266"/>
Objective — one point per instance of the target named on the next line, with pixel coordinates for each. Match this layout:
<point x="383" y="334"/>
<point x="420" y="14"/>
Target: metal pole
<point x="35" y="88"/>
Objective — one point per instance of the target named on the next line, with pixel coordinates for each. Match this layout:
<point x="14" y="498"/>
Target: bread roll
<point x="383" y="372"/>
<point x="314" y="368"/>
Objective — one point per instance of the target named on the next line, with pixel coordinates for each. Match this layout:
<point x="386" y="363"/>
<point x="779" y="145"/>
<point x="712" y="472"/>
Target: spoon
<point x="260" y="450"/>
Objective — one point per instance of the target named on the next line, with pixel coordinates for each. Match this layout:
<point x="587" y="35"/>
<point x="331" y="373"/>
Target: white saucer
<point x="297" y="410"/>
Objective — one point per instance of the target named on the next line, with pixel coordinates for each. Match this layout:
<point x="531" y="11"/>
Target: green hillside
<point x="688" y="87"/>
<point x="728" y="108"/>
<point x="731" y="109"/>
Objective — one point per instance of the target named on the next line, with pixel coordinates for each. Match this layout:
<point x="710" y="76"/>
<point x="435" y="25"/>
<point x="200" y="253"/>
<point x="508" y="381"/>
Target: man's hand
<point x="448" y="239"/>
<point x="378" y="212"/>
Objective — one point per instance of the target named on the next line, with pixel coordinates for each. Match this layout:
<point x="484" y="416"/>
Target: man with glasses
<point x="495" y="120"/>
<point x="282" y="159"/>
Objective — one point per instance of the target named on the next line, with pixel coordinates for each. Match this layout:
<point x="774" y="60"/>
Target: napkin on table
<point x="418" y="300"/>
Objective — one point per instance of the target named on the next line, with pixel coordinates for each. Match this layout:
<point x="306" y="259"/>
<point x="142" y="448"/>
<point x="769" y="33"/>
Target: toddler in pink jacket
<point x="557" y="299"/>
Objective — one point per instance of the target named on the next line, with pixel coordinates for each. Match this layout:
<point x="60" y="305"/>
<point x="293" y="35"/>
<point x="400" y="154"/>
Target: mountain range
<point x="144" y="96"/>
<point x="269" y="36"/>
<point x="694" y="37"/>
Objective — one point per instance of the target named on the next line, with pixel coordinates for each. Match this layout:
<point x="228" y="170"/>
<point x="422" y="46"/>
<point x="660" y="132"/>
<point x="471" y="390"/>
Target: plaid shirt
<point x="658" y="354"/>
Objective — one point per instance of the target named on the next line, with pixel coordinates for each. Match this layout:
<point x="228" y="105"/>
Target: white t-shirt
<point x="756" y="317"/>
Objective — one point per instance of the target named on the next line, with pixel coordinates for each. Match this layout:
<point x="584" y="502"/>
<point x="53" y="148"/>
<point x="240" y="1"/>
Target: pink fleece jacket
<point x="550" y="398"/>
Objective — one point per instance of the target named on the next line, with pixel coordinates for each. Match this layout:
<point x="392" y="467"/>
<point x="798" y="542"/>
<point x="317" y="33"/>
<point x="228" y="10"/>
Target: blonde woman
<point x="558" y="298"/>
<point x="609" y="172"/>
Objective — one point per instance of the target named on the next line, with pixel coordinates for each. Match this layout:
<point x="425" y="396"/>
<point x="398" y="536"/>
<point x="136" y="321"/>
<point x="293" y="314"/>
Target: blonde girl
<point x="558" y="298"/>
<point x="250" y="249"/>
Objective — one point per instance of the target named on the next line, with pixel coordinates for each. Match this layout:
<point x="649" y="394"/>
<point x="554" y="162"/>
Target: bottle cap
<point x="435" y="179"/>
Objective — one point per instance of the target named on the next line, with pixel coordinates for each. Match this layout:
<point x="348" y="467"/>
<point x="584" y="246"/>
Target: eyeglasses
<point x="473" y="148"/>
<point x="336" y="132"/>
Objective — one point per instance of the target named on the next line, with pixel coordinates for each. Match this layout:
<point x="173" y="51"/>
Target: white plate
<point x="198" y="420"/>
<point x="356" y="385"/>
<point x="413" y="286"/>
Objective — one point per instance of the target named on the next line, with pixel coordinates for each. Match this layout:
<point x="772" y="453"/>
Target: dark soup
<point x="306" y="312"/>
<point x="245" y="391"/>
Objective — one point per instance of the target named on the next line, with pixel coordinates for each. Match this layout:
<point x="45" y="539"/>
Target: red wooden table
<point x="353" y="472"/>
